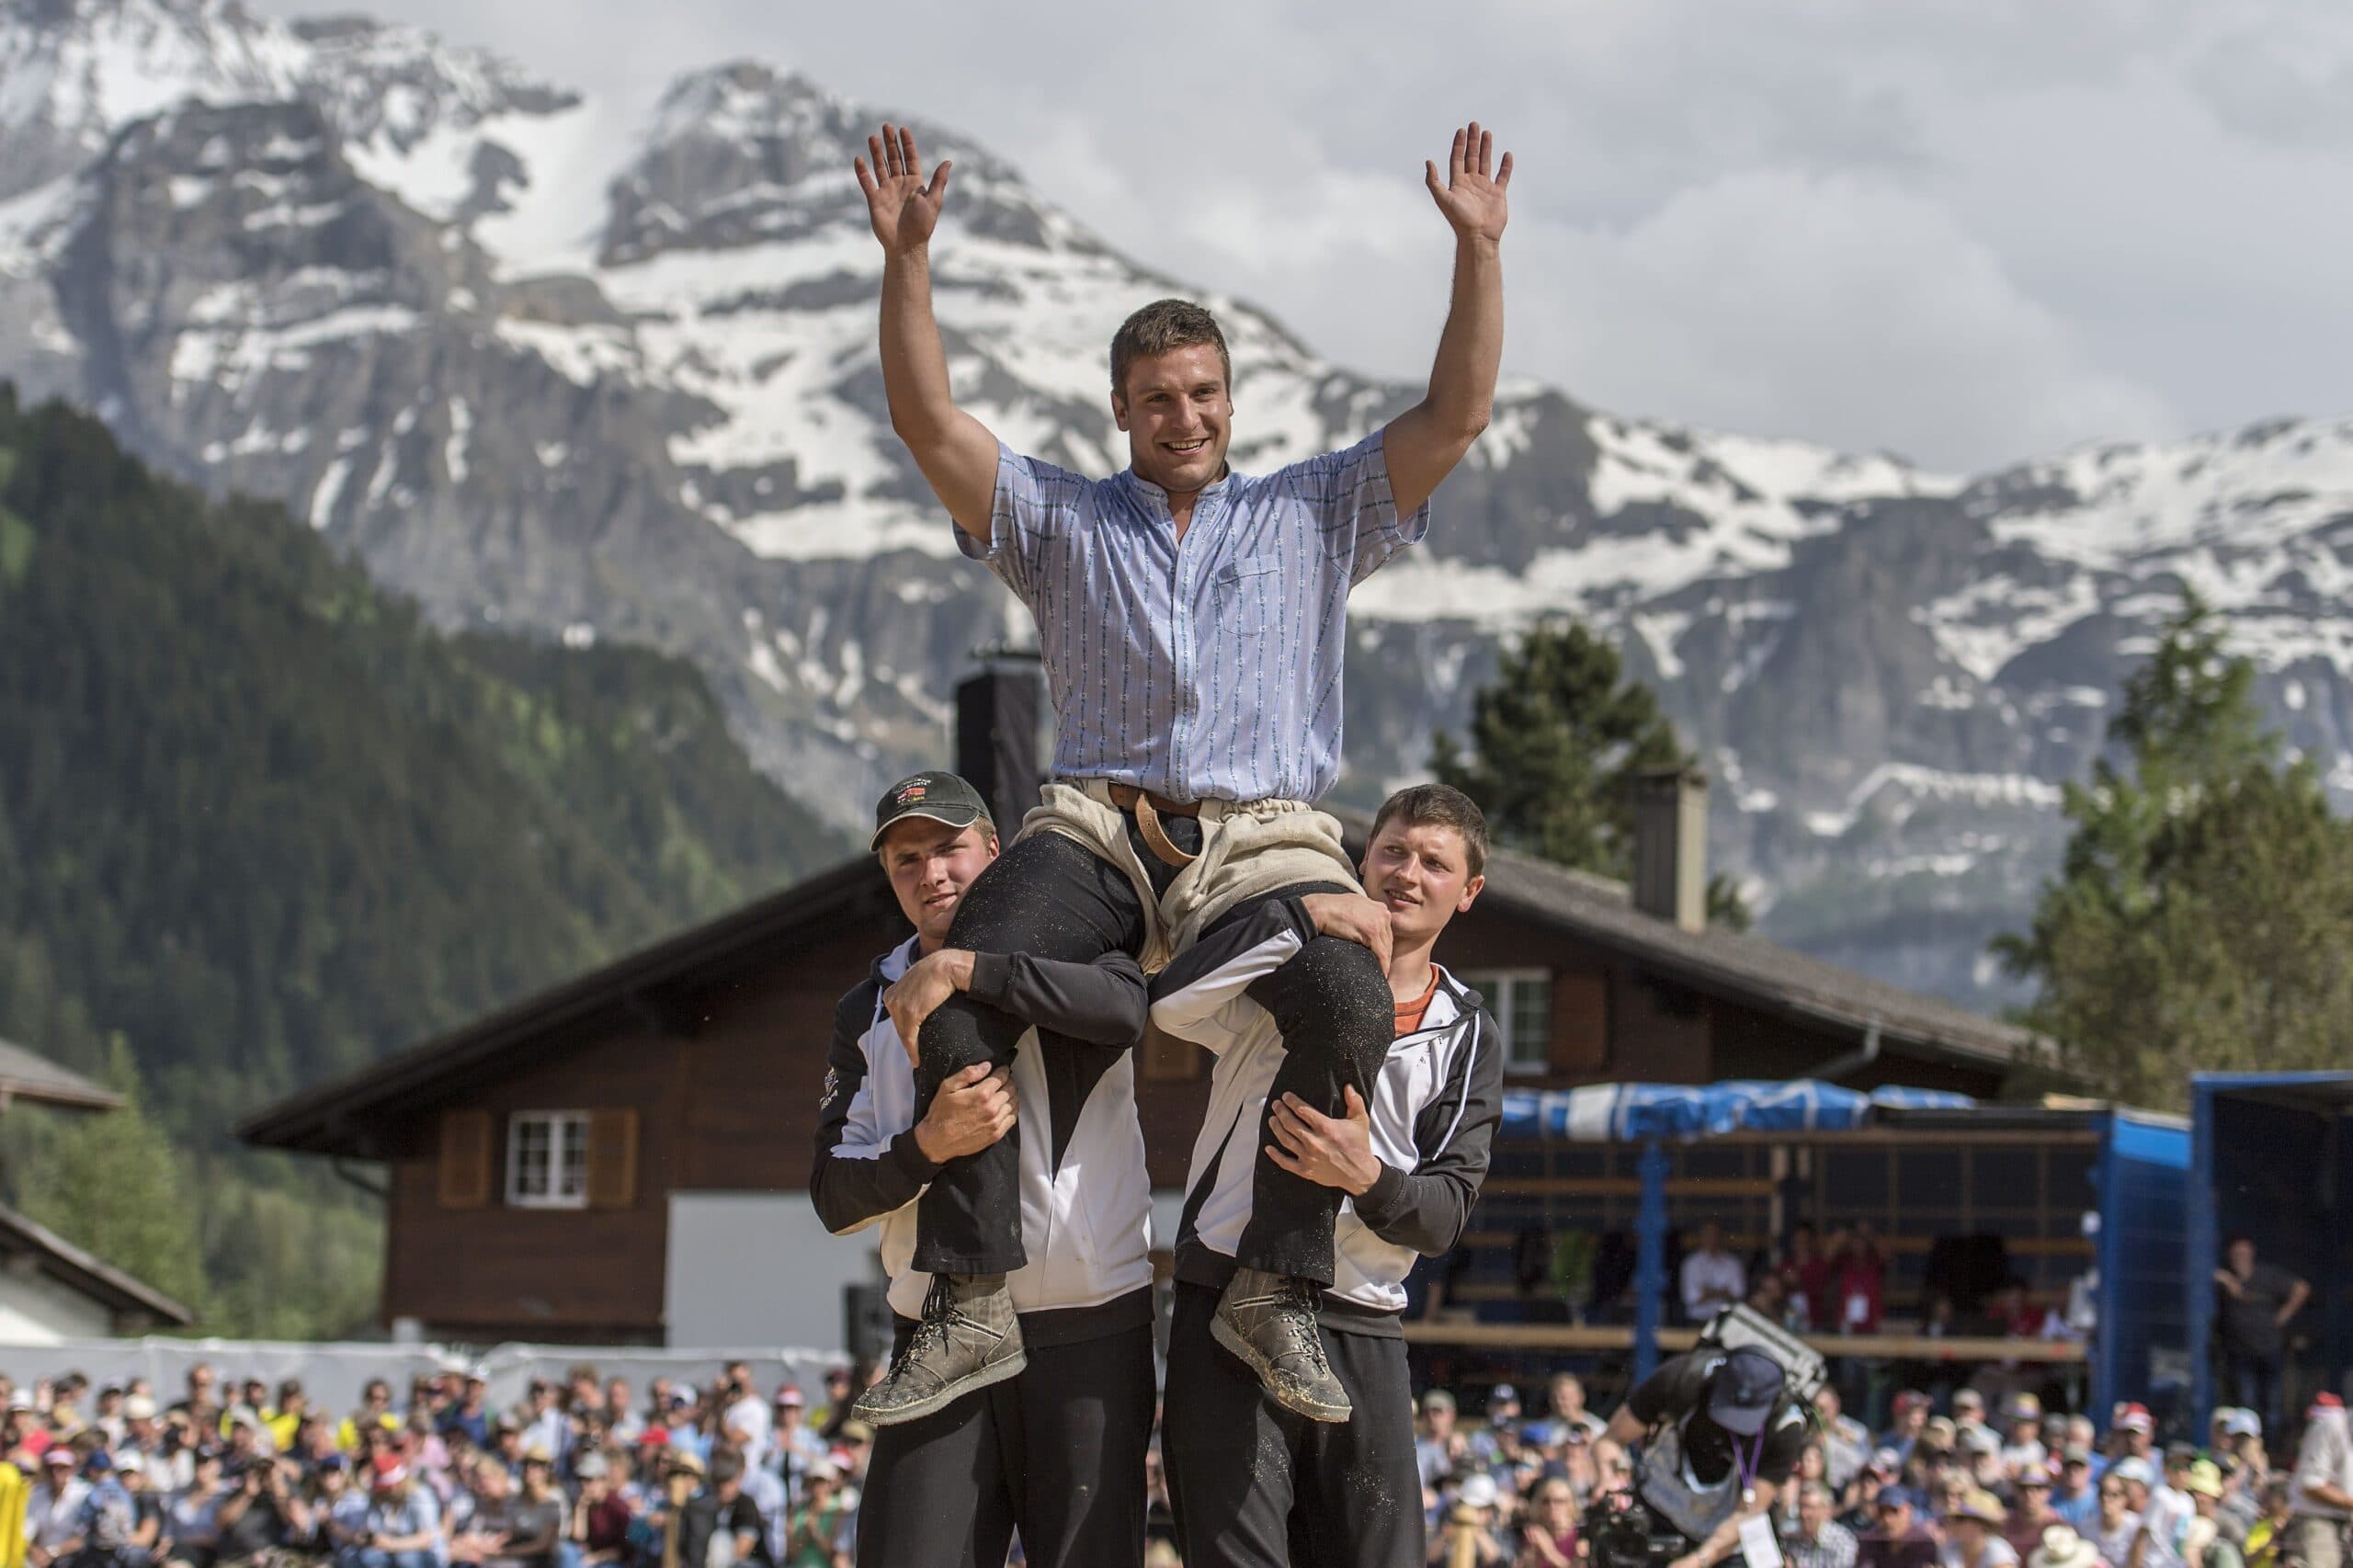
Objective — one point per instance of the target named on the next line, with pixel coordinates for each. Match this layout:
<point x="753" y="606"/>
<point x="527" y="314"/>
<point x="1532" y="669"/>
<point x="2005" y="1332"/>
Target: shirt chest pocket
<point x="1245" y="597"/>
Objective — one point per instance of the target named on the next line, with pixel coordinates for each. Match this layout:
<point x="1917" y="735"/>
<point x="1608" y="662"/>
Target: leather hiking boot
<point x="1268" y="1321"/>
<point x="967" y="1339"/>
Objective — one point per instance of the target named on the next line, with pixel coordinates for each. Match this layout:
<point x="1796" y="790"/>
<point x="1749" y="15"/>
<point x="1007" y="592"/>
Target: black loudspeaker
<point x="866" y="1322"/>
<point x="998" y="716"/>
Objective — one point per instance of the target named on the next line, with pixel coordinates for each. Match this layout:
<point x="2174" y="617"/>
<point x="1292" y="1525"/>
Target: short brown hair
<point x="1160" y="326"/>
<point x="1439" y="805"/>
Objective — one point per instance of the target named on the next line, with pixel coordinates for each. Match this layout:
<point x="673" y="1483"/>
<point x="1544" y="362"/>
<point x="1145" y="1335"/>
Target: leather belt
<point x="1148" y="809"/>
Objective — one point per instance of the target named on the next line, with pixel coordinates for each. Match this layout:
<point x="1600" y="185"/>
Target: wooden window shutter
<point x="465" y="1159"/>
<point x="613" y="1158"/>
<point x="1580" y="1020"/>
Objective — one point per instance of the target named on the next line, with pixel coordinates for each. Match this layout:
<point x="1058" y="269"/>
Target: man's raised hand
<point x="1472" y="196"/>
<point x="902" y="207"/>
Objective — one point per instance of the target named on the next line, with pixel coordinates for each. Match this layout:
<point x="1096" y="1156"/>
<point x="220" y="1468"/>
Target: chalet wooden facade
<point x="537" y="1158"/>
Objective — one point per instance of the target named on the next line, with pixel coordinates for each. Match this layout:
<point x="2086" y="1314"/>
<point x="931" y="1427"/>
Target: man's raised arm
<point x="1423" y="444"/>
<point x="956" y="452"/>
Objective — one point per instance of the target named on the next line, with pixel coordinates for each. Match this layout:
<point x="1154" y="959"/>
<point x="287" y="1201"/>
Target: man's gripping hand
<point x="916" y="995"/>
<point x="902" y="207"/>
<point x="972" y="1111"/>
<point x="1352" y="917"/>
<point x="1330" y="1150"/>
<point x="1473" y="197"/>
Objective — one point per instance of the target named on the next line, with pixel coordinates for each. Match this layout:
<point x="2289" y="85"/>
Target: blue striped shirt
<point x="1205" y="670"/>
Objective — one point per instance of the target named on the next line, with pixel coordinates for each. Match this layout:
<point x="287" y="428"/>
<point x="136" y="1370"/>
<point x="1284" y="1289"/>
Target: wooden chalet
<point x="623" y="1158"/>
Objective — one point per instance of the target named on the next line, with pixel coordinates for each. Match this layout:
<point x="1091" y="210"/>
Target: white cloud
<point x="1968" y="230"/>
<point x="1784" y="303"/>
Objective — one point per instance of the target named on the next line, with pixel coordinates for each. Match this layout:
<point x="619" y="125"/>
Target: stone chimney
<point x="1671" y="845"/>
<point x="1000" y="713"/>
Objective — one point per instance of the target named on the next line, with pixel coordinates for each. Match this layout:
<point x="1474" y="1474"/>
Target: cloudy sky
<point x="1966" y="231"/>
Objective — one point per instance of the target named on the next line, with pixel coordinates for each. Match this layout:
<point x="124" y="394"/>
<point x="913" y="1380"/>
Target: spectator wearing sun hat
<point x="795" y="1444"/>
<point x="2061" y="1547"/>
<point x="53" y="1513"/>
<point x="1973" y="1533"/>
<point x="403" y="1525"/>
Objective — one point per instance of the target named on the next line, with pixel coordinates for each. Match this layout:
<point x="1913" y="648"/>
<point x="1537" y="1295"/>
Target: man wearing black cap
<point x="1056" y="1451"/>
<point x="1720" y="1434"/>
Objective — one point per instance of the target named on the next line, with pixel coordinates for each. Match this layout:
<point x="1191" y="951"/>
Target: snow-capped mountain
<point x="606" y="371"/>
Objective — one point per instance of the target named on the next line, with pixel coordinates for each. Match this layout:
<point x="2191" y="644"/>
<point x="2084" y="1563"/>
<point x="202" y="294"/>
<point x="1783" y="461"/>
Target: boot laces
<point x="1302" y="1324"/>
<point x="931" y="1329"/>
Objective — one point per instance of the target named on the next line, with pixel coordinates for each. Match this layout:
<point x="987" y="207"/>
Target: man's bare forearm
<point x="955" y="451"/>
<point x="1423" y="444"/>
<point x="914" y="365"/>
<point x="1470" y="350"/>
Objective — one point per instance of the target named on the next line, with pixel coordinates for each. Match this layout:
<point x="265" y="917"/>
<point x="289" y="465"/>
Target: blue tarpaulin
<point x="1654" y="1114"/>
<point x="1637" y="1113"/>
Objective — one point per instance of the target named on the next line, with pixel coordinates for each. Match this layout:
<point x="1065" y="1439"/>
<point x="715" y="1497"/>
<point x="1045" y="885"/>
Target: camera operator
<point x="1720" y="1434"/>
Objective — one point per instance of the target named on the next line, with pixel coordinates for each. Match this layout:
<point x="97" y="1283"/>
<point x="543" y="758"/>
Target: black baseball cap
<point x="936" y="796"/>
<point x="1743" y="1391"/>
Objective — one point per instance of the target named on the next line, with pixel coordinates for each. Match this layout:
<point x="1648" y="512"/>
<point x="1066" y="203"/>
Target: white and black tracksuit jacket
<point x="1434" y="1112"/>
<point x="1086" y="1198"/>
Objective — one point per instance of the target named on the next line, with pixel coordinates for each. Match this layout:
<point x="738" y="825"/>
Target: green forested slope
<point x="262" y="823"/>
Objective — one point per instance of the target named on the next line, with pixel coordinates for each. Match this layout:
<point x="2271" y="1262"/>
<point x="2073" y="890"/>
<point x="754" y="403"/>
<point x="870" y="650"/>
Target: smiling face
<point x="1421" y="873"/>
<point x="1179" y="414"/>
<point x="930" y="865"/>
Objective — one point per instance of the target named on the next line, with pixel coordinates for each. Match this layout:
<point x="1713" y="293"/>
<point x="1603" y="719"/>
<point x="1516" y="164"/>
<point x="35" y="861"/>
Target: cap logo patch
<point x="912" y="794"/>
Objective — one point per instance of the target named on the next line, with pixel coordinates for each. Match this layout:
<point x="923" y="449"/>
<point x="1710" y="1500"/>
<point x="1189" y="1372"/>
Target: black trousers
<point x="1256" y="1486"/>
<point x="1050" y="896"/>
<point x="1056" y="1452"/>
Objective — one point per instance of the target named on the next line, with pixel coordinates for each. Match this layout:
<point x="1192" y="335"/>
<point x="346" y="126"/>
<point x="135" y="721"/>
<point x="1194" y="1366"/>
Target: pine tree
<point x="111" y="1182"/>
<point x="1555" y="744"/>
<point x="2203" y="915"/>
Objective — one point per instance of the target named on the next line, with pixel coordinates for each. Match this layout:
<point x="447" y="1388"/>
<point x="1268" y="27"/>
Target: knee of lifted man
<point x="953" y="1036"/>
<point x="1342" y="982"/>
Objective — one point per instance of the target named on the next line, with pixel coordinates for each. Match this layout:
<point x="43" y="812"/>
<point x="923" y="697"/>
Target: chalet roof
<point x="92" y="1275"/>
<point x="340" y="1116"/>
<point x="1745" y="968"/>
<point x="29" y="1076"/>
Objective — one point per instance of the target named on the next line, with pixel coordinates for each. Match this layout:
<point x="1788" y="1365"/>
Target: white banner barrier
<point x="332" y="1374"/>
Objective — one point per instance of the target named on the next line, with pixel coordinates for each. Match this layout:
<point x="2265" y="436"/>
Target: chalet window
<point x="547" y="1159"/>
<point x="1521" y="1000"/>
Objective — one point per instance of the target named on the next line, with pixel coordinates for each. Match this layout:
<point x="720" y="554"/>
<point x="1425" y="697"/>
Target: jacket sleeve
<point x="863" y="1173"/>
<point x="1426" y="1208"/>
<point x="1201" y="995"/>
<point x="1101" y="1003"/>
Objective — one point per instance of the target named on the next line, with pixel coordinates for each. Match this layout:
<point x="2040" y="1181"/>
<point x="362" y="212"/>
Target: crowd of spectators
<point x="585" y="1474"/>
<point x="595" y="1474"/>
<point x="1951" y="1486"/>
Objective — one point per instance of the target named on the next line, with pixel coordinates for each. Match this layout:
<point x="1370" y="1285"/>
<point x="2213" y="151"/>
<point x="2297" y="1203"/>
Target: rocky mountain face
<point x="549" y="364"/>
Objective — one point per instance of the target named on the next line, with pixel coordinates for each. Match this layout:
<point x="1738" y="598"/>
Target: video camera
<point x="1621" y="1531"/>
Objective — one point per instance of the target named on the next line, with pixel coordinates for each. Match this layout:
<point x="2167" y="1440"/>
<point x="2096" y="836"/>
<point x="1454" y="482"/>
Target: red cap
<point x="2327" y="1401"/>
<point x="654" y="1438"/>
<point x="2136" y="1418"/>
<point x="389" y="1472"/>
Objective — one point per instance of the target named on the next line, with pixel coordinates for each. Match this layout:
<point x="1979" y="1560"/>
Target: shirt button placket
<point x="1180" y="642"/>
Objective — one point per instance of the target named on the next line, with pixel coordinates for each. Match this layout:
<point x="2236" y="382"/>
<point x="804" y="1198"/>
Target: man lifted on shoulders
<point x="1193" y="624"/>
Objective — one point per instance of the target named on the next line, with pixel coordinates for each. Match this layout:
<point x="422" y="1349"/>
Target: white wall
<point x="36" y="1310"/>
<point x="759" y="1268"/>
